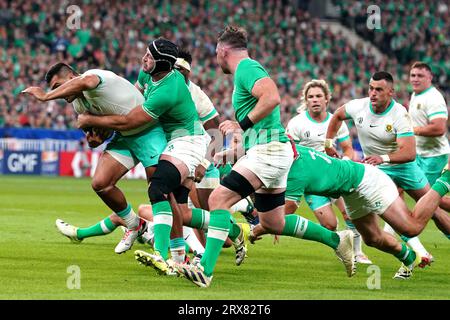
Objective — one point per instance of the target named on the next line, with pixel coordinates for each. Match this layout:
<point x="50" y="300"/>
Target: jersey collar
<point x="426" y="90"/>
<point x="315" y="121"/>
<point x="385" y="111"/>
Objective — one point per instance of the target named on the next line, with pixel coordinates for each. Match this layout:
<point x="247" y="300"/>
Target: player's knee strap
<point x="267" y="201"/>
<point x="165" y="179"/>
<point x="181" y="194"/>
<point x="237" y="183"/>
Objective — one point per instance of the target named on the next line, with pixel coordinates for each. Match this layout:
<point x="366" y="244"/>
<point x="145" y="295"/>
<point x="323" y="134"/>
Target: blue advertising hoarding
<point x="21" y="162"/>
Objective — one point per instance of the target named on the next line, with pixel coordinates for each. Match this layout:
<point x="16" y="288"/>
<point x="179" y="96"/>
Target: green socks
<point x="219" y="227"/>
<point x="442" y="184"/>
<point x="406" y="255"/>
<point x="131" y="219"/>
<point x="162" y="219"/>
<point x="101" y="228"/>
<point x="200" y="219"/>
<point x="302" y="228"/>
<point x="235" y="230"/>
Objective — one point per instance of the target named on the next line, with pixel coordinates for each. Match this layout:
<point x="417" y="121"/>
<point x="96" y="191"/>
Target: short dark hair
<point x="421" y="65"/>
<point x="234" y="36"/>
<point x="59" y="68"/>
<point x="184" y="54"/>
<point x="383" y="75"/>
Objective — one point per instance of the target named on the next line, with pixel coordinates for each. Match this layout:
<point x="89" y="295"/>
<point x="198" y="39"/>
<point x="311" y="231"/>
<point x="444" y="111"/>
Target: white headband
<point x="183" y="63"/>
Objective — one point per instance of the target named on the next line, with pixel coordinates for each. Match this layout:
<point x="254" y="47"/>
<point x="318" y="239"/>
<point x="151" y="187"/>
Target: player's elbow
<point x="440" y="131"/>
<point x="90" y="81"/>
<point x="276" y="100"/>
<point x="271" y="102"/>
<point x="410" y="155"/>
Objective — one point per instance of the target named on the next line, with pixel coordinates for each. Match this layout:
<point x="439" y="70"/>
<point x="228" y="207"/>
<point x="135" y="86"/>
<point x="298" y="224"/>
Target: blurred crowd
<point x="293" y="46"/>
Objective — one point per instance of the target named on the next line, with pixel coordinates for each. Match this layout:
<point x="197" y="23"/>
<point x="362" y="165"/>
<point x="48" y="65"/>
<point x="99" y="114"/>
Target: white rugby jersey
<point x="204" y="105"/>
<point x="378" y="133"/>
<point x="424" y="107"/>
<point x="113" y="95"/>
<point x="309" y="133"/>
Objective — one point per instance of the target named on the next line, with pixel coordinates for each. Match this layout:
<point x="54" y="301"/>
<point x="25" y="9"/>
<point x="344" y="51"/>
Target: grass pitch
<point x="36" y="262"/>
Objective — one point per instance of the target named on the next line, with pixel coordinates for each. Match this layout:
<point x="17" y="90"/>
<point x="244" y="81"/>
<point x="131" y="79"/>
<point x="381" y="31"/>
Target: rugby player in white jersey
<point x="429" y="114"/>
<point x="386" y="137"/>
<point x="102" y="92"/>
<point x="308" y="129"/>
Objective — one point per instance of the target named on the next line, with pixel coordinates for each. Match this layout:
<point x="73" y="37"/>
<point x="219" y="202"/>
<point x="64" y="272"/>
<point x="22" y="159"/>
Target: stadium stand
<point x="291" y="44"/>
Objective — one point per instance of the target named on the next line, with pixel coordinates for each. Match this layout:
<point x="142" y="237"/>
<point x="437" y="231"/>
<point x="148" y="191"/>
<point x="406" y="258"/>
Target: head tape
<point x="164" y="53"/>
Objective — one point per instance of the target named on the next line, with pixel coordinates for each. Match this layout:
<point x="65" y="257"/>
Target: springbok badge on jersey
<point x="389" y="128"/>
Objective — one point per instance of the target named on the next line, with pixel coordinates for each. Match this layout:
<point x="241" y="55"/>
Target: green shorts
<point x="224" y="170"/>
<point x="144" y="147"/>
<point x="407" y="176"/>
<point x="212" y="172"/>
<point x="432" y="166"/>
<point x="316" y="202"/>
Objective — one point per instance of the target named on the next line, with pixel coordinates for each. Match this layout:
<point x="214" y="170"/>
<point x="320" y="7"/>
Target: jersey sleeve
<point x="252" y="73"/>
<point x="351" y="108"/>
<point x="437" y="108"/>
<point x="142" y="78"/>
<point x="102" y="80"/>
<point x="403" y="125"/>
<point x="205" y="107"/>
<point x="292" y="130"/>
<point x="343" y="133"/>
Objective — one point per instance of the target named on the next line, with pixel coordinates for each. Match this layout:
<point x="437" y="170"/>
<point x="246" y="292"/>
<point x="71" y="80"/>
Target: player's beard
<point x="225" y="69"/>
<point x="147" y="68"/>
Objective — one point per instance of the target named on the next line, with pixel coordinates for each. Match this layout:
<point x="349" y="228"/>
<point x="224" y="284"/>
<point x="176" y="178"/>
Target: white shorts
<point x="208" y="183"/>
<point x="190" y="150"/>
<point x="375" y="194"/>
<point x="270" y="162"/>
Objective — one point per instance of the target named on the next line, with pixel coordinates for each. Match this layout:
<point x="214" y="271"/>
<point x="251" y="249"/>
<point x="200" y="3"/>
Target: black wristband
<point x="246" y="123"/>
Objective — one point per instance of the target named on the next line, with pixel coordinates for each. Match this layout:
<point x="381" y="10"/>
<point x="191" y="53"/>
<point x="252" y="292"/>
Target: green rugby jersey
<point x="170" y="101"/>
<point x="268" y="129"/>
<point x="314" y="172"/>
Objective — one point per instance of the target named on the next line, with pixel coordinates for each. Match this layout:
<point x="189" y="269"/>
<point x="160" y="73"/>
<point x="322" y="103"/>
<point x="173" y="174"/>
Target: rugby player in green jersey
<point x="368" y="192"/>
<point x="262" y="170"/>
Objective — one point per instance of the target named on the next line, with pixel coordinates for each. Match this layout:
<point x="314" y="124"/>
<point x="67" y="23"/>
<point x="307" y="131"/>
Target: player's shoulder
<point x="436" y="95"/>
<point x="300" y="117"/>
<point x="398" y="107"/>
<point x="194" y="88"/>
<point x="101" y="72"/>
<point x="249" y="64"/>
<point x="360" y="103"/>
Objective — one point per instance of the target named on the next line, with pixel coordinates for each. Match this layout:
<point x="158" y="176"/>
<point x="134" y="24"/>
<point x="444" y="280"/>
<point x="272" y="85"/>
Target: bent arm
<point x="347" y="148"/>
<point x="336" y="122"/>
<point x="266" y="91"/>
<point x="74" y="86"/>
<point x="212" y="127"/>
<point x="435" y="128"/>
<point x="134" y="119"/>
<point x="406" y="151"/>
